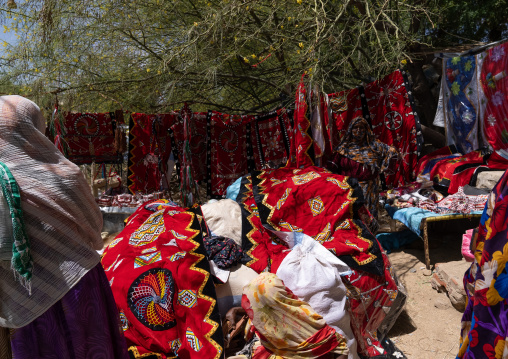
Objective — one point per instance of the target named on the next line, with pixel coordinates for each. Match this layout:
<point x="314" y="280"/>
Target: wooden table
<point x="423" y="226"/>
<point x="437" y="218"/>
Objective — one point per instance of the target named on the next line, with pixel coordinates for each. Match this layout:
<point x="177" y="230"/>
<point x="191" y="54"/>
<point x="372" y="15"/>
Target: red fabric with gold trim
<point x="313" y="201"/>
<point x="345" y="106"/>
<point x="442" y="172"/>
<point x="197" y="143"/>
<point x="324" y="206"/>
<point x="394" y="123"/>
<point x="301" y="142"/>
<point x="317" y="203"/>
<point x="263" y="247"/>
<point x="90" y="138"/>
<point x="228" y="158"/>
<point x="160" y="278"/>
<point x="150" y="147"/>
<point x="268" y="139"/>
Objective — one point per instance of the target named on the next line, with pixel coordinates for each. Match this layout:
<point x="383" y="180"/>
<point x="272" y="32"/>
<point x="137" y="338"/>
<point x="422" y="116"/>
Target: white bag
<point x="313" y="274"/>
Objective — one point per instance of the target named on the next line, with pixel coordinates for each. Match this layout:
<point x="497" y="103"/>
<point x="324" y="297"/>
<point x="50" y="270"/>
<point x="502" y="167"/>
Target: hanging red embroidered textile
<point x="301" y="151"/>
<point x="149" y="150"/>
<point x="197" y="143"/>
<point x="228" y="141"/>
<point x="270" y="139"/>
<point x="344" y="107"/>
<point x="90" y="137"/>
<point x="160" y="278"/>
<point x="493" y="96"/>
<point x="394" y="123"/>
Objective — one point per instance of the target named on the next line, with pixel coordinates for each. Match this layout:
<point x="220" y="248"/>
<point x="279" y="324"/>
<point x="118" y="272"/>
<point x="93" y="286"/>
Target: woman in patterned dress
<point x="361" y="156"/>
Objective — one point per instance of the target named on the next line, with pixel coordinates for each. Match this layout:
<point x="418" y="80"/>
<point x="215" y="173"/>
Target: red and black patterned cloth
<point x="90" y="137"/>
<point x="160" y="277"/>
<point x="149" y="150"/>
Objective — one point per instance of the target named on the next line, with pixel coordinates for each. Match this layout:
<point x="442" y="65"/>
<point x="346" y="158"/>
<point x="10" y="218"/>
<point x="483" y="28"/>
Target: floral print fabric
<point x="485" y="320"/>
<point x="287" y="326"/>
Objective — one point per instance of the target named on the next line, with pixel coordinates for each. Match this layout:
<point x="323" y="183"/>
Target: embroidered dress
<point x="90" y="137"/>
<point x="396" y="124"/>
<point x="301" y="151"/>
<point x="387" y="106"/>
<point x="460" y="100"/>
<point x="160" y="277"/>
<point x="149" y="150"/>
<point x="493" y="97"/>
<point x="229" y="143"/>
<point x="484" y="322"/>
<point x="271" y="136"/>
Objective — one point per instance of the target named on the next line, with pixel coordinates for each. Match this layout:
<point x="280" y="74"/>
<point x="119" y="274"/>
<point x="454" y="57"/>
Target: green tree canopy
<point x="234" y="55"/>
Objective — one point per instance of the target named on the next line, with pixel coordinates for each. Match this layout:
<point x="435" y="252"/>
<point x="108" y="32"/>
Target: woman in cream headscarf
<point x="54" y="290"/>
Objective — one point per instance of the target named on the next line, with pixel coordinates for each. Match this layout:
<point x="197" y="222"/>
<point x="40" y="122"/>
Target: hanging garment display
<point x="388" y="107"/>
<point x="395" y="123"/>
<point x="301" y="151"/>
<point x="229" y="142"/>
<point x="161" y="281"/>
<point x="344" y="106"/>
<point x="197" y="144"/>
<point x="149" y="150"/>
<point x="493" y="65"/>
<point x="317" y="125"/>
<point x="271" y="139"/>
<point x="460" y="98"/>
<point x="90" y="137"/>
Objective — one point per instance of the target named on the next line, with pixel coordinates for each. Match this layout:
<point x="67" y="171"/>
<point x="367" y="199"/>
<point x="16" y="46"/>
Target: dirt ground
<point x="429" y="327"/>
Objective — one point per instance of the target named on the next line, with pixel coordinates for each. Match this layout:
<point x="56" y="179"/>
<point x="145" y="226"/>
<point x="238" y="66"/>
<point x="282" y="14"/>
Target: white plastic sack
<point x="313" y="274"/>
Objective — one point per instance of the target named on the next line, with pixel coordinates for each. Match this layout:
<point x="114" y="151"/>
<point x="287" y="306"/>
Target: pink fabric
<point x="466" y="240"/>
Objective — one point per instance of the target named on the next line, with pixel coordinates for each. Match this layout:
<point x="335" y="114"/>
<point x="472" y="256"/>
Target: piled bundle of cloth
<point x="449" y="182"/>
<point x="432" y="200"/>
<point x="291" y="255"/>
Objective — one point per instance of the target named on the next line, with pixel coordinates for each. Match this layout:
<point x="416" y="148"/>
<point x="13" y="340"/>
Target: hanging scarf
<point x="18" y="244"/>
<point x="371" y="153"/>
<point x="187" y="181"/>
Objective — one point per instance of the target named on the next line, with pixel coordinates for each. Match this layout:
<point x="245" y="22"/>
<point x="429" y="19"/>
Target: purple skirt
<point x="84" y="324"/>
